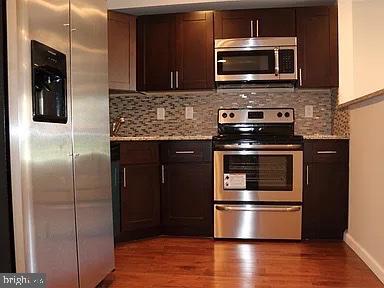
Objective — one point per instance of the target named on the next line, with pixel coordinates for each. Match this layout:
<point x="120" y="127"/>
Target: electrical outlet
<point x="160" y="114"/>
<point x="188" y="112"/>
<point x="308" y="111"/>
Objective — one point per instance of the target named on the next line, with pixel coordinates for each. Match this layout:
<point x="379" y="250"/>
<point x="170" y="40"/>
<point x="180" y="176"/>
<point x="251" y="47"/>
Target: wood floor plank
<point x="167" y="262"/>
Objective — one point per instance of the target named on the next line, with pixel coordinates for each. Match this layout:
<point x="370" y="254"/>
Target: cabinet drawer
<point x="139" y="152"/>
<point x="257" y="222"/>
<point x="186" y="151"/>
<point x="327" y="151"/>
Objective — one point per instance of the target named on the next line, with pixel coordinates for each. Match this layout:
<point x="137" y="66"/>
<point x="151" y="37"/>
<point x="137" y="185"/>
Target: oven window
<point x="246" y="62"/>
<point x="259" y="172"/>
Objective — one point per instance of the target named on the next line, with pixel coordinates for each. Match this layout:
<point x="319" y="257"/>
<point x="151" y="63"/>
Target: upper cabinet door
<point x="121" y="51"/>
<point x="255" y="23"/>
<point x="274" y="22"/>
<point x="317" y="47"/>
<point x="157" y="42"/>
<point x="233" y="24"/>
<point x="194" y="51"/>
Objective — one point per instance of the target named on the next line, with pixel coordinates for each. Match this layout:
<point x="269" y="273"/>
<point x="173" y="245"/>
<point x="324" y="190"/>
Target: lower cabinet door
<point x="187" y="199"/>
<point x="140" y="201"/>
<point x="257" y="222"/>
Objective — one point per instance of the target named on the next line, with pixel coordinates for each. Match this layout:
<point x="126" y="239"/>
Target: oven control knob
<point x="227" y="177"/>
<point x="287" y="114"/>
<point x="224" y="115"/>
<point x="231" y="115"/>
<point x="279" y="114"/>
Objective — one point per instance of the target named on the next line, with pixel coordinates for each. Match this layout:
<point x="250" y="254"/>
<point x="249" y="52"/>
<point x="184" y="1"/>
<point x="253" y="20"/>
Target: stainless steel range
<point x="258" y="174"/>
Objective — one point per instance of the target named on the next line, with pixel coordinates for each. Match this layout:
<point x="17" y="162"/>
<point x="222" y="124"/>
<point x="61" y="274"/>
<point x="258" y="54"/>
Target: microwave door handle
<point x="277" y="67"/>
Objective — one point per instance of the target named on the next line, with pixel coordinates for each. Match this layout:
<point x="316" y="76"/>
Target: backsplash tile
<point x="340" y="124"/>
<point x="140" y="110"/>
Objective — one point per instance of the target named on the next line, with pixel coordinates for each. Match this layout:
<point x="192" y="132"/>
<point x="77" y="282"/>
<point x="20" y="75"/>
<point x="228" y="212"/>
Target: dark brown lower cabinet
<point x="187" y="188"/>
<point x="325" y="198"/>
<point x="140" y="191"/>
<point x="187" y="199"/>
<point x="172" y="196"/>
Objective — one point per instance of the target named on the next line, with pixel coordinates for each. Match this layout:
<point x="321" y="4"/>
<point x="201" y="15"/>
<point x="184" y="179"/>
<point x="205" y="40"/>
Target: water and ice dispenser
<point x="49" y="84"/>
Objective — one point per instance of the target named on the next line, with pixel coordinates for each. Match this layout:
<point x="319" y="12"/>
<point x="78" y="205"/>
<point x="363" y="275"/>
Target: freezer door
<point x="92" y="169"/>
<point x="41" y="153"/>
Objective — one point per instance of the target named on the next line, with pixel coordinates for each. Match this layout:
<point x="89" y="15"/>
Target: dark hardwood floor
<point x="203" y="263"/>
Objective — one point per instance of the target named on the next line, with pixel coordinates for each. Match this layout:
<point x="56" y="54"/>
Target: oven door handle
<point x="259" y="208"/>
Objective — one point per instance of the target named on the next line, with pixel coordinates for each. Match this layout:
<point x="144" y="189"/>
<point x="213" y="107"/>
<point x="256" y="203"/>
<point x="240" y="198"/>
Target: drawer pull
<point x="326" y="152"/>
<point x="259" y="209"/>
<point x="185" y="152"/>
<point x="307" y="175"/>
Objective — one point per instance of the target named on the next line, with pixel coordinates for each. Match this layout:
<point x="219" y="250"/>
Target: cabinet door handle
<point x="257" y="28"/>
<point x="125" y="177"/>
<point x="326" y="152"/>
<point x="185" y="152"/>
<point x="177" y="79"/>
<point x="171" y="79"/>
<point x="300" y="77"/>
<point x="252" y="29"/>
<point x="307" y="175"/>
<point x="162" y="174"/>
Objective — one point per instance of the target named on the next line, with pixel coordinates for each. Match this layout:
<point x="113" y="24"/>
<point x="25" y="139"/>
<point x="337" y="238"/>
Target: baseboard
<point x="365" y="256"/>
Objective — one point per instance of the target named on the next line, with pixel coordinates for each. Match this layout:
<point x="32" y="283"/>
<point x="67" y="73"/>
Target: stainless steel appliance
<point x="256" y="59"/>
<point x="59" y="140"/>
<point x="258" y="174"/>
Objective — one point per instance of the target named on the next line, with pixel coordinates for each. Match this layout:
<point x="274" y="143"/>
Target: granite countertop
<point x="203" y="137"/>
<point x="160" y="138"/>
<point x="318" y="136"/>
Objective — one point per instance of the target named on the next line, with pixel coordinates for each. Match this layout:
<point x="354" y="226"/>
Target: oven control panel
<point x="245" y="116"/>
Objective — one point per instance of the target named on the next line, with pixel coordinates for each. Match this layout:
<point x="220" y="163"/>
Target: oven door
<point x="258" y="175"/>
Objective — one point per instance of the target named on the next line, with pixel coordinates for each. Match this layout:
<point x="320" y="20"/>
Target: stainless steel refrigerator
<point x="59" y="140"/>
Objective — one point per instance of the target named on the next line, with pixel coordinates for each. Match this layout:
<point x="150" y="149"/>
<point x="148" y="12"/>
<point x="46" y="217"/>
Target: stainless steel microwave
<point x="256" y="59"/>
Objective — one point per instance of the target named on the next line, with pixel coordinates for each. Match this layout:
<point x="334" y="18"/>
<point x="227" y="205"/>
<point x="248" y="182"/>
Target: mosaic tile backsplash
<point x="140" y="111"/>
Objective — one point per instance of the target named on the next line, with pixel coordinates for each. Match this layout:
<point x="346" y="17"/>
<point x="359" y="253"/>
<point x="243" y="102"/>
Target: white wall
<point x="361" y="26"/>
<point x="361" y="42"/>
<point x="366" y="196"/>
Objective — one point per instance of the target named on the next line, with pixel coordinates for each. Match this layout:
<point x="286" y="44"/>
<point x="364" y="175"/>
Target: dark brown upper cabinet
<point x="121" y="51"/>
<point x="317" y="47"/>
<point x="156" y="52"/>
<point x="279" y="22"/>
<point x="176" y="51"/>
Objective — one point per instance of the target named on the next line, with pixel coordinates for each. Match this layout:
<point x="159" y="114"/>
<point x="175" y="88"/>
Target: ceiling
<point x="145" y="7"/>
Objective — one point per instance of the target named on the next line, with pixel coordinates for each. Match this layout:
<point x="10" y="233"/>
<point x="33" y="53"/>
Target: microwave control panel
<point x="287" y="61"/>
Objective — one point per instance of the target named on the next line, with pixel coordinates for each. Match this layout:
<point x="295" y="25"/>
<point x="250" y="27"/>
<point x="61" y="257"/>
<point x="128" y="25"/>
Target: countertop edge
<point x="160" y="138"/>
<point x="207" y="137"/>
